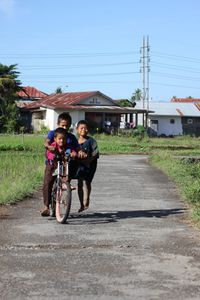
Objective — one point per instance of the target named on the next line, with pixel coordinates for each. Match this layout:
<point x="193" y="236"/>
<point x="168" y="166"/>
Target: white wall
<point x="51" y="119"/>
<point x="77" y="116"/>
<point x="165" y="127"/>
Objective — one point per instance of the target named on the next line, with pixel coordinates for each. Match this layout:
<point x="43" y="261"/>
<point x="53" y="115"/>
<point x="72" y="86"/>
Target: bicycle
<point x="61" y="192"/>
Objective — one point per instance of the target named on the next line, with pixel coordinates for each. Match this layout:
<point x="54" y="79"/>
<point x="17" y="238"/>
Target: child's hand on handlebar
<point x="52" y="149"/>
<point x="73" y="154"/>
<point x="82" y="154"/>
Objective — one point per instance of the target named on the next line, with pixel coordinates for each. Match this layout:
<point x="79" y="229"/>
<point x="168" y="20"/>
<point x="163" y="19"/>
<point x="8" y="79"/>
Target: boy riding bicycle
<point x="70" y="142"/>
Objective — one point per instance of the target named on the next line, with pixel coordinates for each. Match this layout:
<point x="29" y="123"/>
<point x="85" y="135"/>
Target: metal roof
<point x="185" y="100"/>
<point x="29" y="92"/>
<point x="173" y="109"/>
<point x="73" y="101"/>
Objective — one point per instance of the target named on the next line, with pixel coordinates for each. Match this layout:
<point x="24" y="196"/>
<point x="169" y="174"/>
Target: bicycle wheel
<point x="53" y="200"/>
<point x="63" y="203"/>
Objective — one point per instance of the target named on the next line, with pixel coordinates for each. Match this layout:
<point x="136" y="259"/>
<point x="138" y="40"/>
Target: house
<point x="174" y="118"/>
<point x="29" y="93"/>
<point x="26" y="96"/>
<point x="93" y="106"/>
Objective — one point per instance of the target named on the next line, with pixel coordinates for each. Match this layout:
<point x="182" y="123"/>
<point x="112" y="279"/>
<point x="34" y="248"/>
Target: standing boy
<point x="87" y="165"/>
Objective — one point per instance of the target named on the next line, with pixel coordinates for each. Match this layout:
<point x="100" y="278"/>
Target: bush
<point x="140" y="132"/>
<point x="44" y="130"/>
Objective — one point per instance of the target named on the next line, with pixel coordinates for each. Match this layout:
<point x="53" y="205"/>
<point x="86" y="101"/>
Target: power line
<point x="77" y="66"/>
<point x="175" y="85"/>
<point x="175" y="76"/>
<point x="81" y="75"/>
<point x="176" y="67"/>
<point x="172" y="56"/>
<point x="61" y="55"/>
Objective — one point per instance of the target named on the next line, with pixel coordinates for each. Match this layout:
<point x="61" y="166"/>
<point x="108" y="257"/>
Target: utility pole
<point x="145" y="69"/>
<point x="148" y="70"/>
<point x="142" y="60"/>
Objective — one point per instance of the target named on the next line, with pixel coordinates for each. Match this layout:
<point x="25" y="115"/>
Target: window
<point x="172" y="121"/>
<point x="94" y="101"/>
<point x="154" y="121"/>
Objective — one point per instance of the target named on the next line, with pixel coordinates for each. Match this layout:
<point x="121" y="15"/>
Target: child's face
<point x="82" y="130"/>
<point x="60" y="139"/>
<point x="64" y="124"/>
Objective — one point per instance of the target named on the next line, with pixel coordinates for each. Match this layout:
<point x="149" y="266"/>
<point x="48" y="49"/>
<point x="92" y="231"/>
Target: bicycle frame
<point x="62" y="189"/>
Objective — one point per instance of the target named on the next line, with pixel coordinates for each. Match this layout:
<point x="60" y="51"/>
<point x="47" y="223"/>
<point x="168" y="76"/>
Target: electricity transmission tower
<point x="145" y="69"/>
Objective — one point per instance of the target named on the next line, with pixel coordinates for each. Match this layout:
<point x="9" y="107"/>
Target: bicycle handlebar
<point x="63" y="155"/>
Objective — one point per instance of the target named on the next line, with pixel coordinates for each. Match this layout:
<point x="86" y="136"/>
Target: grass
<point x="186" y="175"/>
<point x="20" y="174"/>
<point x="21" y="166"/>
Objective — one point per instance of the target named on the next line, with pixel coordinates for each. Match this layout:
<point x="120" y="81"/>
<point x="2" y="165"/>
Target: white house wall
<point x="51" y="119"/>
<point x="165" y="127"/>
<point x="77" y="116"/>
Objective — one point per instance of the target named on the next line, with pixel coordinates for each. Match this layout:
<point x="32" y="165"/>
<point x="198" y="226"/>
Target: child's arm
<point x="49" y="140"/>
<point x="93" y="153"/>
<point x="47" y="145"/>
<point x="75" y="149"/>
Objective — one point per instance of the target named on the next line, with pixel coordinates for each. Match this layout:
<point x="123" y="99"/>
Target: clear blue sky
<point x="87" y="45"/>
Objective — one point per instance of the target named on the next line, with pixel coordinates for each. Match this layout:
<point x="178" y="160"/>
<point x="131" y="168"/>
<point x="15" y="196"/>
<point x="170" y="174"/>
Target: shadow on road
<point x="114" y="216"/>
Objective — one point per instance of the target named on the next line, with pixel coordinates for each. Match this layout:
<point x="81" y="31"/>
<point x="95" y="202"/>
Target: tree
<point x="137" y="96"/>
<point x="59" y="90"/>
<point x="9" y="85"/>
<point x="124" y="103"/>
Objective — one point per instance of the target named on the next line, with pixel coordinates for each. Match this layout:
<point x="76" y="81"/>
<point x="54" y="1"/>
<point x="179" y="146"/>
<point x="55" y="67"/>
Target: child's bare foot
<point x="45" y="212"/>
<point x="86" y="205"/>
<point x="82" y="208"/>
<point x="73" y="188"/>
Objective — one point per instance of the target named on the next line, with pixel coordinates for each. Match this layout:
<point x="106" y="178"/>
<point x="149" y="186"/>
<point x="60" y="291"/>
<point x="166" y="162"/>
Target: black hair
<point x="82" y="122"/>
<point x="60" y="130"/>
<point x="65" y="116"/>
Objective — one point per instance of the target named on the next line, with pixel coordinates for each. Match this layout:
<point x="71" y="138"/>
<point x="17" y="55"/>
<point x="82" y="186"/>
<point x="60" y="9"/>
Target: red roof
<point x="64" y="100"/>
<point x="29" y="92"/>
<point x="185" y="100"/>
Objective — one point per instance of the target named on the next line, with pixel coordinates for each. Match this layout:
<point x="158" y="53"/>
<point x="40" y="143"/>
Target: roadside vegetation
<point x="22" y="162"/>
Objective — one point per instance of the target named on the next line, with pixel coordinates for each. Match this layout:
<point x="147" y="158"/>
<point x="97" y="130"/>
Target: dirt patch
<point x="4" y="211"/>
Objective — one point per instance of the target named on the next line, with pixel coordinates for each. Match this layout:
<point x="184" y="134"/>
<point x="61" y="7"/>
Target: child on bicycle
<point x="64" y="122"/>
<point x="87" y="166"/>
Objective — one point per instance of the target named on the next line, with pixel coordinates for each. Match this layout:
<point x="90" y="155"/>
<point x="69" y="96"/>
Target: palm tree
<point x="137" y="95"/>
<point x="9" y="85"/>
<point x="59" y="90"/>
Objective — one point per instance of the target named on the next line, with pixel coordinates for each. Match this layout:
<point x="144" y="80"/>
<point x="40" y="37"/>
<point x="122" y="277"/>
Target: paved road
<point x="133" y="242"/>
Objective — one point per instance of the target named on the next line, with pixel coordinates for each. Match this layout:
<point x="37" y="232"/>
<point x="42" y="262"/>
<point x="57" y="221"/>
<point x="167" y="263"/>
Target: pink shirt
<point x="51" y="155"/>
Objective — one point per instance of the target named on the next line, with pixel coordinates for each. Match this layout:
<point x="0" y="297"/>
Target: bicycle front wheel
<point x="63" y="204"/>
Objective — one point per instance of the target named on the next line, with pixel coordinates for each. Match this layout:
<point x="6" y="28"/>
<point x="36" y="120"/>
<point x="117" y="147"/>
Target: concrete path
<point x="133" y="242"/>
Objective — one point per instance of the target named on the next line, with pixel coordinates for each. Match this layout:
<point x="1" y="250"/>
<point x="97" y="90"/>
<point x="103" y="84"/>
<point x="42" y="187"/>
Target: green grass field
<point x="22" y="162"/>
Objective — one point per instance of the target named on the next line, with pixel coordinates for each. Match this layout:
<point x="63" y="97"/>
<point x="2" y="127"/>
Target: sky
<point x="92" y="45"/>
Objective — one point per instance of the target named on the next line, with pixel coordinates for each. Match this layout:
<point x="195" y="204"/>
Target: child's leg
<point x="87" y="190"/>
<point x="80" y="194"/>
<point x="47" y="187"/>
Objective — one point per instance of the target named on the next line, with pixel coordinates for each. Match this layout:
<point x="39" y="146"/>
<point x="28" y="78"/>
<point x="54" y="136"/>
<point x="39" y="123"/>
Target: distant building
<point x="186" y="100"/>
<point x="28" y="95"/>
<point x="95" y="107"/>
<point x="174" y="118"/>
